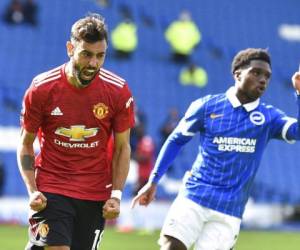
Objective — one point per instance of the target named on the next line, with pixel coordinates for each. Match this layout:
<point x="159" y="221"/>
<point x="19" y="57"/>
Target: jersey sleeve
<point x="280" y="125"/>
<point x="293" y="131"/>
<point x="124" y="117"/>
<point x="32" y="111"/>
<point x="193" y="120"/>
<point x="191" y="123"/>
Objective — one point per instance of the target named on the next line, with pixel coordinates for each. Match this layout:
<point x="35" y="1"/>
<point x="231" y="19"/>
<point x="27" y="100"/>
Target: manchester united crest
<point x="43" y="230"/>
<point x="100" y="110"/>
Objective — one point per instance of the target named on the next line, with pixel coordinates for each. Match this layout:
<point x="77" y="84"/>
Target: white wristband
<point x="116" y="194"/>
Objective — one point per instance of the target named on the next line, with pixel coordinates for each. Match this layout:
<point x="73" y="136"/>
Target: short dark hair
<point x="244" y="57"/>
<point x="90" y="29"/>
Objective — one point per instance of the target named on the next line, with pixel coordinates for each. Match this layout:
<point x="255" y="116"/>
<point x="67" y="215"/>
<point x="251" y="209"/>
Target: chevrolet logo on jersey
<point x="77" y="132"/>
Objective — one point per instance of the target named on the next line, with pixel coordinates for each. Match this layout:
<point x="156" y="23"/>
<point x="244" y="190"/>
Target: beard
<point x="85" y="75"/>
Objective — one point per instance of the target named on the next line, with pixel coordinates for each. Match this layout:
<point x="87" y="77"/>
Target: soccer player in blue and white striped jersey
<point x="234" y="129"/>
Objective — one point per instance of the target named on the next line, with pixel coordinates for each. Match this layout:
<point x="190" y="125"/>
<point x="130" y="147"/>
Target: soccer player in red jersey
<point x="75" y="108"/>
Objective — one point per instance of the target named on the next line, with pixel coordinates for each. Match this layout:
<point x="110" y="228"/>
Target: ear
<point x="70" y="49"/>
<point x="237" y="75"/>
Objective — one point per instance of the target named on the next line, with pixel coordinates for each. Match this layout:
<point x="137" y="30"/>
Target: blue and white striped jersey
<point x="232" y="139"/>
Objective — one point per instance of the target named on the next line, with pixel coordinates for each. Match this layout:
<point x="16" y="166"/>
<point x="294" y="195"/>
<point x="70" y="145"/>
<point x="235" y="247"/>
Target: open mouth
<point x="88" y="73"/>
<point x="261" y="89"/>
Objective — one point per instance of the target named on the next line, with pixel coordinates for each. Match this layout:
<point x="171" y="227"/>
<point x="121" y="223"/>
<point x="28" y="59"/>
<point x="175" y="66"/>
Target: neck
<point x="243" y="98"/>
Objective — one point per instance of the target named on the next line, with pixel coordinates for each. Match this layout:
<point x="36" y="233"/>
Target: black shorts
<point x="67" y="222"/>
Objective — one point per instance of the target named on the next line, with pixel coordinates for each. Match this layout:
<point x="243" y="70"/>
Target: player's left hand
<point x="111" y="209"/>
<point x="296" y="81"/>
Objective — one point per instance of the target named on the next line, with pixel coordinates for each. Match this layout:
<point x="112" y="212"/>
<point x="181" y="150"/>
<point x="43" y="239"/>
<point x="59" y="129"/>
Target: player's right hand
<point x="37" y="201"/>
<point x="145" y="195"/>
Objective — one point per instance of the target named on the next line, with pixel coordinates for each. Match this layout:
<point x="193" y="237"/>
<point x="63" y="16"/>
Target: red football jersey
<point x="75" y="126"/>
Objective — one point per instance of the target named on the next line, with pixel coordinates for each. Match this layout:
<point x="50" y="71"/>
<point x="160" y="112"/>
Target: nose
<point x="263" y="80"/>
<point x="93" y="62"/>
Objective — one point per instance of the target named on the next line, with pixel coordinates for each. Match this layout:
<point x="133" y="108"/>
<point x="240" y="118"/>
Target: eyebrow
<point x="90" y="52"/>
<point x="261" y="69"/>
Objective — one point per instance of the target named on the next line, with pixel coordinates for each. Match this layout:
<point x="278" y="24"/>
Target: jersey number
<point x="97" y="239"/>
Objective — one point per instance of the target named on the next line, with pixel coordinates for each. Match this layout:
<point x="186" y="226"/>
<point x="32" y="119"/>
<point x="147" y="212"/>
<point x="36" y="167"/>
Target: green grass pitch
<point x="15" y="237"/>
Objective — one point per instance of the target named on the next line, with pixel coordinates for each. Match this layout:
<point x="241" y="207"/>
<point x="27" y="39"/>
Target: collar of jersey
<point x="230" y="93"/>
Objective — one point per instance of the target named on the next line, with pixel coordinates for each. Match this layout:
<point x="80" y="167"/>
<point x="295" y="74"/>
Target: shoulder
<point x="207" y="100"/>
<point x="43" y="80"/>
<point x="200" y="105"/>
<point x="111" y="79"/>
<point x="197" y="105"/>
<point x="42" y="84"/>
<point x="270" y="109"/>
<point x="264" y="107"/>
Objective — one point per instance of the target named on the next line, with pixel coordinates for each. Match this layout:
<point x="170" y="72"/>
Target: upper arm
<point x="192" y="122"/>
<point x="32" y="110"/>
<point x="124" y="117"/>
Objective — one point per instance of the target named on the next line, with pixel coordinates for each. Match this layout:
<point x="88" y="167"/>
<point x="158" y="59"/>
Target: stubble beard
<point x="77" y="72"/>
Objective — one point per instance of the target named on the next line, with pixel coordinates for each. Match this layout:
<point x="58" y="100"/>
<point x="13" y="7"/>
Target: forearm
<point x="165" y="158"/>
<point x="25" y="156"/>
<point x="167" y="155"/>
<point x="297" y="132"/>
<point x="121" y="161"/>
<point x="293" y="132"/>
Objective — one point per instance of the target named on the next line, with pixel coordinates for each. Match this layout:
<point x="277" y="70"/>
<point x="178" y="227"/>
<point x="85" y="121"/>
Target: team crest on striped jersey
<point x="257" y="118"/>
<point x="111" y="78"/>
<point x="100" y="110"/>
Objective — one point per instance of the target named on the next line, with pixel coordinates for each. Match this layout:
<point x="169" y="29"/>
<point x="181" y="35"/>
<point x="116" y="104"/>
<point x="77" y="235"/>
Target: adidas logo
<point x="56" y="111"/>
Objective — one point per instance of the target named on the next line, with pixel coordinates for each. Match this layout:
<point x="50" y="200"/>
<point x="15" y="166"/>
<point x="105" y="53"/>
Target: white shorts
<point x="194" y="224"/>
